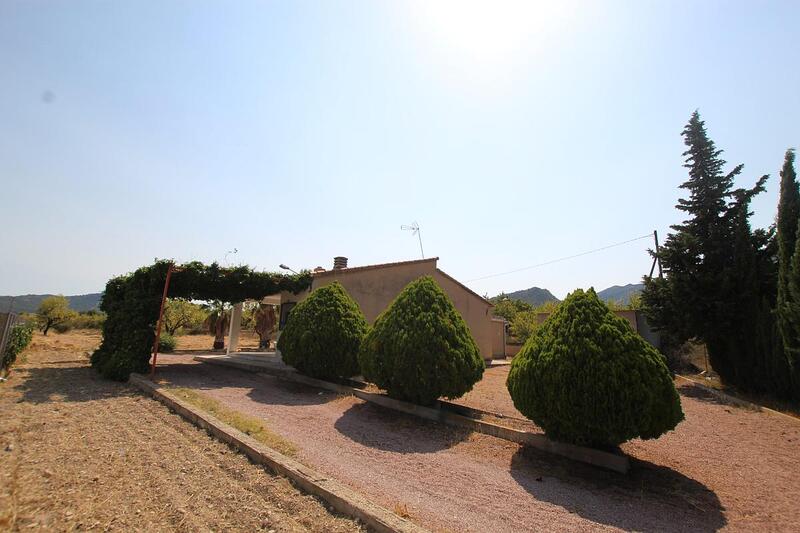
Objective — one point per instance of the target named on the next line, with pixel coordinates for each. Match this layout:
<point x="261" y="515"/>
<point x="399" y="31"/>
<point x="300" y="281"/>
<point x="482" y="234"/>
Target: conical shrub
<point x="587" y="378"/>
<point x="420" y="348"/>
<point x="324" y="333"/>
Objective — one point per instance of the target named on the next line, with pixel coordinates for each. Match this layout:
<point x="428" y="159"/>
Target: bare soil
<point x="723" y="468"/>
<point x="81" y="452"/>
<point x="248" y="341"/>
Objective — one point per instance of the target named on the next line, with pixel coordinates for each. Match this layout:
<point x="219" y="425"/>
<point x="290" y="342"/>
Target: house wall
<point x="475" y="310"/>
<point x="498" y="338"/>
<point x="375" y="288"/>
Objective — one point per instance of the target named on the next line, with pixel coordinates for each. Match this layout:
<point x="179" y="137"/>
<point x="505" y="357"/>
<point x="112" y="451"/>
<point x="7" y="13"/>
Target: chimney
<point x="339" y="262"/>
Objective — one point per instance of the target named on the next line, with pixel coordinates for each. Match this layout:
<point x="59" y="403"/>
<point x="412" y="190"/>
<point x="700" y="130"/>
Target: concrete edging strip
<point x="610" y="461"/>
<point x="335" y="494"/>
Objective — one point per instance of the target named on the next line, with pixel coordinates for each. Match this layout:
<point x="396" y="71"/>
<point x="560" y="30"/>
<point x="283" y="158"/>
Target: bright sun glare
<point x="489" y="34"/>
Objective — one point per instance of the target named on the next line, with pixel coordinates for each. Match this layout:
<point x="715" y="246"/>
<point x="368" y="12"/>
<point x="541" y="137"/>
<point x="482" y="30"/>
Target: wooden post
<point x="658" y="250"/>
<point x="160" y="320"/>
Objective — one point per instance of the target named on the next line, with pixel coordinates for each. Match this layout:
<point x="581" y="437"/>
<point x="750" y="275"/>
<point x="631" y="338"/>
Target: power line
<point x="648" y="236"/>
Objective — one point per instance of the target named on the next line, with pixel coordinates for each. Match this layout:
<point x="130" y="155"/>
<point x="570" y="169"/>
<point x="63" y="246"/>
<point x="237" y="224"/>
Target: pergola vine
<point x="132" y="303"/>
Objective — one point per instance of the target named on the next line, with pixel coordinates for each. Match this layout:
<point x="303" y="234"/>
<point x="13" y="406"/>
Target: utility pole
<point x="656" y="259"/>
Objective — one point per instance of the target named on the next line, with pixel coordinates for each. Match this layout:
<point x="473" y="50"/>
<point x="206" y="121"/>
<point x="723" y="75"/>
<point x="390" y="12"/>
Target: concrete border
<point x="335" y="494"/>
<point x="444" y="413"/>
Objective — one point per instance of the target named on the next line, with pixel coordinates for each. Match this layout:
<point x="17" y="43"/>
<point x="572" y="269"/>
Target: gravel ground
<point x="724" y="468"/>
<point x="81" y="452"/>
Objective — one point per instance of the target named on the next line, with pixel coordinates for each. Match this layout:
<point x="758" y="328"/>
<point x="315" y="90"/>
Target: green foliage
<point x="180" y="313"/>
<point x="53" y="311"/>
<point x="420" y="348"/>
<point x="132" y="302"/>
<point x="166" y="342"/>
<point x="720" y="282"/>
<point x="324" y="333"/>
<point x="524" y="325"/>
<point x="586" y="378"/>
<point x="88" y="320"/>
<point x="18" y="339"/>
<point x="507" y="308"/>
<point x="788" y="237"/>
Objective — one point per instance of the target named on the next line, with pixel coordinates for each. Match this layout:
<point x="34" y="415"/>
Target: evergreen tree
<point x="715" y="266"/>
<point x="788" y="307"/>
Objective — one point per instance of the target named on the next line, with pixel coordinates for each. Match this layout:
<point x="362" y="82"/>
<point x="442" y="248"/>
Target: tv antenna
<point x="229" y="252"/>
<point x="414" y="229"/>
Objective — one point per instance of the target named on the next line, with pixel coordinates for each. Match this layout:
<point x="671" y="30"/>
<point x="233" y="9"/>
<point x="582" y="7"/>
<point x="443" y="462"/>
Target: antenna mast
<point x="414" y="229"/>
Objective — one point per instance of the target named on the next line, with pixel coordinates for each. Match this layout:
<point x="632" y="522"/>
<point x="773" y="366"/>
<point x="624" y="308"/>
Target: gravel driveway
<point x="724" y="467"/>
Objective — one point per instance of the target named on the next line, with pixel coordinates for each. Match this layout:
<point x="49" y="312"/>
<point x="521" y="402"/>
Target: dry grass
<point x="248" y="425"/>
<point x="401" y="510"/>
<point x="78" y="452"/>
<point x="248" y="341"/>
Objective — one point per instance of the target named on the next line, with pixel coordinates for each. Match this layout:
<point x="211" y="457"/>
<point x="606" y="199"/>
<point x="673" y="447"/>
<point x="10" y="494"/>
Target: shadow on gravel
<point x="649" y="498"/>
<point x="274" y="391"/>
<point x="391" y="431"/>
<point x="69" y="384"/>
<point x="262" y="388"/>
<point x="697" y="392"/>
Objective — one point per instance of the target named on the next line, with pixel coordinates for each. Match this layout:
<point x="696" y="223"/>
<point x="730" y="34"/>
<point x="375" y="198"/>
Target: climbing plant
<point x="132" y="302"/>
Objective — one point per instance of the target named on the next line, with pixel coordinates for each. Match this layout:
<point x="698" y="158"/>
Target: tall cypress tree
<point x="714" y="264"/>
<point x="788" y="306"/>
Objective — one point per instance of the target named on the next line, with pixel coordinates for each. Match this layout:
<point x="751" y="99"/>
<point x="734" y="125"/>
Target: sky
<point x="513" y="133"/>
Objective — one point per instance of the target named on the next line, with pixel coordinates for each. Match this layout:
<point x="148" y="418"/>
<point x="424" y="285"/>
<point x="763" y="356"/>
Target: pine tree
<point x="714" y="264"/>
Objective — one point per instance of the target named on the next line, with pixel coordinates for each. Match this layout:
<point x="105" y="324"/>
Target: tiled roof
<point x="372" y="267"/>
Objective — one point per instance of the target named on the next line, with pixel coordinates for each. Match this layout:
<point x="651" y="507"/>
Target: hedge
<point x="18" y="339"/>
<point x="132" y="302"/>
<point x="324" y="333"/>
<point x="420" y="348"/>
<point x="587" y="378"/>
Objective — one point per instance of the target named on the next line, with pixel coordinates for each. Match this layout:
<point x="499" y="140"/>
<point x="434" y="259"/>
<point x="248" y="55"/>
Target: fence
<point x="7" y="321"/>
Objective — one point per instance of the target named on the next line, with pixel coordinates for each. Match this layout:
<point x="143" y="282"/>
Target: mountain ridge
<point x="537" y="296"/>
<point x="29" y="303"/>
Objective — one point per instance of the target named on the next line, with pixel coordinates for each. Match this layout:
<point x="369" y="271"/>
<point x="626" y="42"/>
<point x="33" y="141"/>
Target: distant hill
<point x="28" y="303"/>
<point x="534" y="296"/>
<point x="619" y="293"/>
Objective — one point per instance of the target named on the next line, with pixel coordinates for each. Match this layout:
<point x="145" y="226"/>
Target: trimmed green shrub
<point x="18" y="339"/>
<point x="324" y="333"/>
<point x="420" y="348"/>
<point x="587" y="378"/>
<point x="166" y="343"/>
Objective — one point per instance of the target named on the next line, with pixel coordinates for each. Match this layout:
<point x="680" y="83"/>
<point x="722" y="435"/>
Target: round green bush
<point x="587" y="378"/>
<point x="324" y="333"/>
<point x="420" y="348"/>
<point x="166" y="343"/>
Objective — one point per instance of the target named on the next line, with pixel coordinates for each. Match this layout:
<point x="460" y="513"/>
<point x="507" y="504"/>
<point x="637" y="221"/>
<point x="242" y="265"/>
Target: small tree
<point x="180" y="313"/>
<point x="524" y="325"/>
<point x="324" y="333"/>
<point x="53" y="310"/>
<point x="420" y="348"/>
<point x="587" y="378"/>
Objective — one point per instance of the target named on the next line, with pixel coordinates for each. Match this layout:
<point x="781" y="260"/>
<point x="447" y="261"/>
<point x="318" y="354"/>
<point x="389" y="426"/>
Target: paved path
<point x="449" y="479"/>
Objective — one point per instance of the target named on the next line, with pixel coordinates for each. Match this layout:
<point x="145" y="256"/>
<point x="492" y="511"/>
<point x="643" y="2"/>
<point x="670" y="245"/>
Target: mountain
<point x="28" y="303"/>
<point x="534" y="296"/>
<point x="619" y="293"/>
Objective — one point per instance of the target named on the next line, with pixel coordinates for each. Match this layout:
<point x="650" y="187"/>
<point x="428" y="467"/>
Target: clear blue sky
<point x="297" y="131"/>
